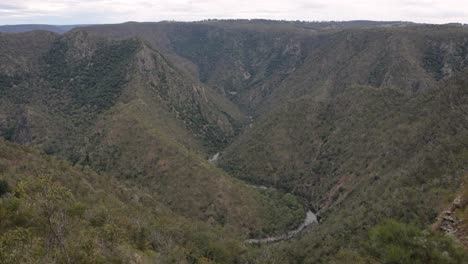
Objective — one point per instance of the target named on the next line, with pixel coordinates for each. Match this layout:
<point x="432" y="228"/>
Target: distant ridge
<point x="60" y="29"/>
<point x="30" y="27"/>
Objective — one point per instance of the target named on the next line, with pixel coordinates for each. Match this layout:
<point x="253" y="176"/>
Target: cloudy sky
<point x="115" y="11"/>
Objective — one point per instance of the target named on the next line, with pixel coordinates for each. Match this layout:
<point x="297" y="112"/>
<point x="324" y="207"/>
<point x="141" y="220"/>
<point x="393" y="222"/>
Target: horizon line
<point x="242" y="19"/>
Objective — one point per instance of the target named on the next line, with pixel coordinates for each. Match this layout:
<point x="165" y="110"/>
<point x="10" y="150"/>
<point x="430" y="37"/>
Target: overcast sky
<point x="116" y="11"/>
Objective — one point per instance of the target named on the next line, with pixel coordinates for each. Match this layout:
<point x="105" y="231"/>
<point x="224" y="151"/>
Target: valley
<point x="233" y="141"/>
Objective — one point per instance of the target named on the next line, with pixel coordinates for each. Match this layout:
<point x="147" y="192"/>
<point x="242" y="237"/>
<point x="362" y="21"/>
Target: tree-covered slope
<point x="363" y="121"/>
<point x="120" y="107"/>
<point x="54" y="212"/>
<point x="260" y="64"/>
<point x="366" y="155"/>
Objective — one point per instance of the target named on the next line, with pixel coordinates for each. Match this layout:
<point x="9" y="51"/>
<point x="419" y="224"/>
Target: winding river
<point x="310" y="217"/>
<point x="214" y="158"/>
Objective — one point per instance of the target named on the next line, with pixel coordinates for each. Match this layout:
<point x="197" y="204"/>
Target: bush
<point x="15" y="246"/>
<point x="395" y="242"/>
<point x="4" y="187"/>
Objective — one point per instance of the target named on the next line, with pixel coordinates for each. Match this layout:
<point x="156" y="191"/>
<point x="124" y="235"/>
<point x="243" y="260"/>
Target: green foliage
<point x="236" y="59"/>
<point x="4" y="187"/>
<point x="63" y="214"/>
<point x="434" y="62"/>
<point x="8" y="133"/>
<point x="122" y="108"/>
<point x="7" y="84"/>
<point x="287" y="213"/>
<point x="212" y="135"/>
<point x="93" y="83"/>
<point x="395" y="242"/>
<point x="16" y="246"/>
<point x="345" y="167"/>
<point x="345" y="256"/>
<point x="200" y="45"/>
<point x="351" y="120"/>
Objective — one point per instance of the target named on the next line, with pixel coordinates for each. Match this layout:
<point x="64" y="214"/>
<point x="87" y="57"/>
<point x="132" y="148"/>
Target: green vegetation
<point x="4" y="187"/>
<point x="361" y="121"/>
<point x="92" y="83"/>
<point x="146" y="132"/>
<point x="369" y="159"/>
<point x="394" y="242"/>
<point x="288" y="213"/>
<point x="63" y="214"/>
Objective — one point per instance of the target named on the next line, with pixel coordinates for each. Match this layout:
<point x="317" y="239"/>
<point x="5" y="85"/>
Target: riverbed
<point x="310" y="218"/>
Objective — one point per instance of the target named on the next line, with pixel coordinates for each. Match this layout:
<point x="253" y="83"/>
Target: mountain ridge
<point x="361" y="122"/>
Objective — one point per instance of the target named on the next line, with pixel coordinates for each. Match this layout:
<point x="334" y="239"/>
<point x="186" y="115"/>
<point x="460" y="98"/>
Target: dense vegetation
<point x="363" y="122"/>
<point x="395" y="242"/>
<point x="57" y="213"/>
<point x="121" y="108"/>
<point x="93" y="83"/>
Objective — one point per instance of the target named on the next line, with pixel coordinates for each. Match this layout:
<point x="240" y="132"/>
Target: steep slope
<point x="409" y="58"/>
<point x="228" y="56"/>
<point x="366" y="155"/>
<point x="57" y="213"/>
<point x="452" y="220"/>
<point x="260" y="64"/>
<point x="121" y="108"/>
<point x="363" y="122"/>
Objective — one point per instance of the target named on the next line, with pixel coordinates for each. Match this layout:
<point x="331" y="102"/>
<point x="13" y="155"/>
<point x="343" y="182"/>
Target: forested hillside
<point x="121" y="108"/>
<point x="185" y="139"/>
<point x="54" y="212"/>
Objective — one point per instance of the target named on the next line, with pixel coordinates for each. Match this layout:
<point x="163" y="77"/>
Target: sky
<point x="65" y="12"/>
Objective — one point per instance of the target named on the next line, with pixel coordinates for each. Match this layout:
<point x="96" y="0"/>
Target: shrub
<point x="395" y="242"/>
<point x="4" y="187"/>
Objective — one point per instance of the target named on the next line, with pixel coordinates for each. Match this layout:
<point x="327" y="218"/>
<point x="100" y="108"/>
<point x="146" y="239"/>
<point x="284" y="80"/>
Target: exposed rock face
<point x="449" y="223"/>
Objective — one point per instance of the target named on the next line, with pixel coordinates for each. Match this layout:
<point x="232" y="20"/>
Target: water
<point x="310" y="218"/>
<point x="214" y="158"/>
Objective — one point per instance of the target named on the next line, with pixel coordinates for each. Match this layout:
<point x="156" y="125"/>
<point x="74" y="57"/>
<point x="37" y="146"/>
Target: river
<point x="310" y="218"/>
<point x="214" y="158"/>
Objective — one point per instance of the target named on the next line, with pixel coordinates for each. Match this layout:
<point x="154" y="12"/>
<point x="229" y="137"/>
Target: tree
<point x="51" y="200"/>
<point x="4" y="187"/>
